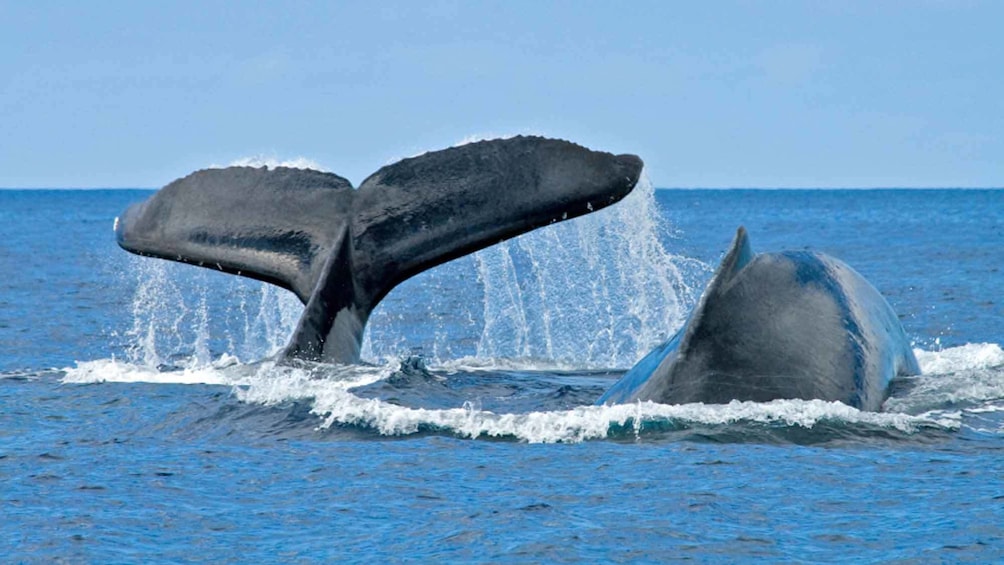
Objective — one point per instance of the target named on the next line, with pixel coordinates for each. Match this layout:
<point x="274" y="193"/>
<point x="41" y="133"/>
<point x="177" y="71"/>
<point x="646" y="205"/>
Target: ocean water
<point x="142" y="417"/>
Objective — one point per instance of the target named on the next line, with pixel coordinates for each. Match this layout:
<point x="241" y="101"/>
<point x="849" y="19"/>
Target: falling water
<point x="597" y="291"/>
<point x="188" y="317"/>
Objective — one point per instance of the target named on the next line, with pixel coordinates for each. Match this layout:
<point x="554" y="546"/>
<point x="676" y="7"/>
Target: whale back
<point x="781" y="325"/>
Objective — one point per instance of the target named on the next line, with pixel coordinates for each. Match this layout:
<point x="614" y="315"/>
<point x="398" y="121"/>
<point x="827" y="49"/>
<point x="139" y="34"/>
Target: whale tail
<point x="341" y="250"/>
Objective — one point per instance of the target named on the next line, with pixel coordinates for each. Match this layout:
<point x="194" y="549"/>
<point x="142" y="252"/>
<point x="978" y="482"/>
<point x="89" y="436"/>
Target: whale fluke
<point x="341" y="250"/>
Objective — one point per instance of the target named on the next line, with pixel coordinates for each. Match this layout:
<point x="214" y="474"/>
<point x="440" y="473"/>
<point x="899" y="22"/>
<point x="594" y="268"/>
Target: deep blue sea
<point x="142" y="418"/>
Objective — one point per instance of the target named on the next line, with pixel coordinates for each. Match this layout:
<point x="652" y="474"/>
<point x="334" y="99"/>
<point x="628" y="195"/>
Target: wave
<point x="967" y="393"/>
<point x="970" y="376"/>
<point x="114" y="371"/>
<point x="601" y="422"/>
<point x="963" y="358"/>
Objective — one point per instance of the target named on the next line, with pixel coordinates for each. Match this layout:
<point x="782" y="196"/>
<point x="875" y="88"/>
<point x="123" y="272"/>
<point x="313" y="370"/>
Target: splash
<point x="185" y="317"/>
<point x="334" y="405"/>
<point x="967" y="357"/>
<point x="969" y="377"/>
<point x="599" y="422"/>
<point x="967" y="397"/>
<point x="328" y="393"/>
<point x="597" y="291"/>
<point x="112" y="371"/>
<point x="272" y="162"/>
<point x="476" y="137"/>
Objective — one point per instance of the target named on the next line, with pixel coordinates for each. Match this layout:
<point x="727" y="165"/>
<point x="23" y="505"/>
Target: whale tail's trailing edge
<point x="342" y="250"/>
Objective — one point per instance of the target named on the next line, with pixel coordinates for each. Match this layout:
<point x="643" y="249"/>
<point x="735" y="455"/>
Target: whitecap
<point x="965" y="357"/>
<point x="115" y="371"/>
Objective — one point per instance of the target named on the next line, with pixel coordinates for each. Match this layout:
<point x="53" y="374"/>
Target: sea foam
<point x="967" y="357"/>
<point x="930" y="405"/>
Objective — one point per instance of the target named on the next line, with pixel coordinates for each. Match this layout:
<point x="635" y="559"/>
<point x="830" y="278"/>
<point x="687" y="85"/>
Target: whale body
<point x="341" y="250"/>
<point x="790" y="325"/>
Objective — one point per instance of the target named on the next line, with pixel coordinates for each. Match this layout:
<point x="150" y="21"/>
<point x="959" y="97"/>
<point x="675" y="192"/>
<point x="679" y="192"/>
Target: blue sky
<point x="710" y="94"/>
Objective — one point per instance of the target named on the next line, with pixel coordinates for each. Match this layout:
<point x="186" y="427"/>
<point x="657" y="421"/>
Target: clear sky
<point x="710" y="94"/>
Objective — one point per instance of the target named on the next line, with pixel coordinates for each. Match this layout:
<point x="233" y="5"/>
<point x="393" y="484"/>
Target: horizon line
<point x="929" y="187"/>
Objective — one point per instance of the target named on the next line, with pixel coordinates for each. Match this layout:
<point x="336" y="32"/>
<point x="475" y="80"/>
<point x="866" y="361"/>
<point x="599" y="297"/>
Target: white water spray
<point x="186" y="317"/>
<point x="597" y="291"/>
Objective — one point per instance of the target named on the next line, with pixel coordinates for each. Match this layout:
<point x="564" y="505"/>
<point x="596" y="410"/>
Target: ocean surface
<point x="143" y="418"/>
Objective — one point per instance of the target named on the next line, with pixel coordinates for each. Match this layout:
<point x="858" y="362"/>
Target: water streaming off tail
<point x="599" y="290"/>
<point x="185" y="316"/>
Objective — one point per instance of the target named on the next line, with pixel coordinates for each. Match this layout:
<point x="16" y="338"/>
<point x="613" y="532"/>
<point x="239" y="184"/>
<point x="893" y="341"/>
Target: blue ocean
<point x="143" y="417"/>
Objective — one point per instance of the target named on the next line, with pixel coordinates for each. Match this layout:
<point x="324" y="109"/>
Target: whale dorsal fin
<point x="738" y="256"/>
<point x="342" y="250"/>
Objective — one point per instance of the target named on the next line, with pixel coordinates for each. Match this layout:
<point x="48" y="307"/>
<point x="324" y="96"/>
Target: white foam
<point x="272" y="162"/>
<point x="336" y="406"/>
<point x="272" y="384"/>
<point x="475" y="138"/>
<point x="970" y="376"/>
<point x="986" y="409"/>
<point x="113" y="371"/>
<point x="476" y="364"/>
<point x="327" y="388"/>
<point x="963" y="358"/>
